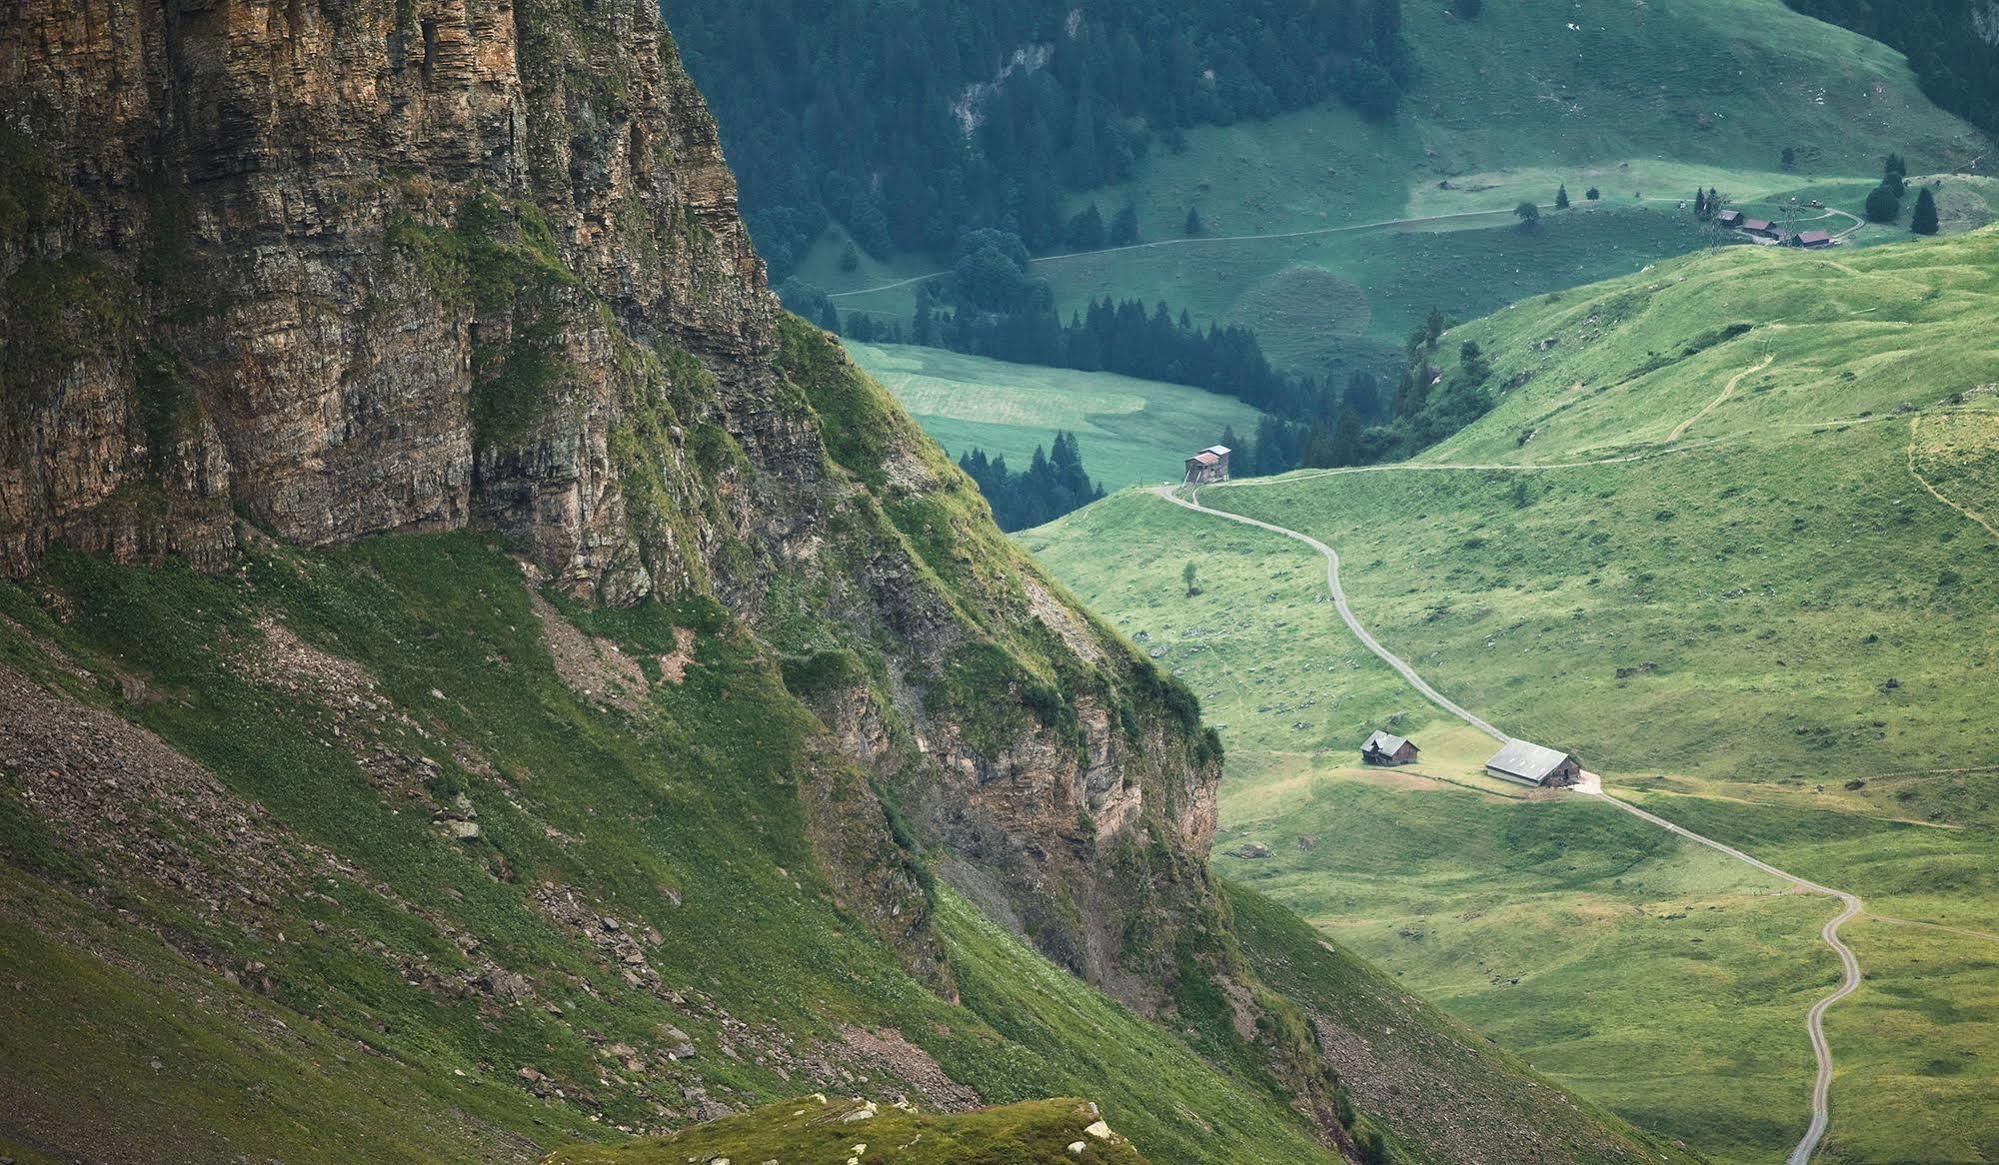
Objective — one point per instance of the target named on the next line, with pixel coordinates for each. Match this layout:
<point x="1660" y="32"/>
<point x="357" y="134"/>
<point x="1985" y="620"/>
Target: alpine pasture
<point x="1729" y="538"/>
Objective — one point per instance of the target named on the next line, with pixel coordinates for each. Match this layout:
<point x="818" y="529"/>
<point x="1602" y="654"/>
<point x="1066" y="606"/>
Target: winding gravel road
<point x="1593" y="786"/>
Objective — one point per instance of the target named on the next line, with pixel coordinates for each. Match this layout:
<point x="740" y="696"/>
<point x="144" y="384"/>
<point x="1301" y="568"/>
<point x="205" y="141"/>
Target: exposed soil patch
<point x="888" y="1051"/>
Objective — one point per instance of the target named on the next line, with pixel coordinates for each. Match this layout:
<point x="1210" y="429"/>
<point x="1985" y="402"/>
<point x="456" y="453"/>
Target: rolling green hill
<point x="1731" y="538"/>
<point x="1648" y="100"/>
<point x="1132" y="431"/>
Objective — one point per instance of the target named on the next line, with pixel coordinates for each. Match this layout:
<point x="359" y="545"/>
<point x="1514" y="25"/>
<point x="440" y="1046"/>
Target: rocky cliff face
<point x="322" y="269"/>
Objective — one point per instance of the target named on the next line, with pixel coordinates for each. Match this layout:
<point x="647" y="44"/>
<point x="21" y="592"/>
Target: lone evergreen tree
<point x="1192" y="577"/>
<point x="1790" y="158"/>
<point x="1124" y="228"/>
<point x="1561" y="198"/>
<point x="1194" y="224"/>
<point x="1434" y="326"/>
<point x="1883" y="204"/>
<point x="1086" y="230"/>
<point x="1923" y="220"/>
<point x="1701" y="209"/>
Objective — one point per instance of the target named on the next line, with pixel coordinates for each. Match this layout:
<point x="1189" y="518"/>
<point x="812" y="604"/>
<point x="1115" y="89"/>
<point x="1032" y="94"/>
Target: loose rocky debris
<point x="120" y="797"/>
<point x="597" y="669"/>
<point x="889" y="1052"/>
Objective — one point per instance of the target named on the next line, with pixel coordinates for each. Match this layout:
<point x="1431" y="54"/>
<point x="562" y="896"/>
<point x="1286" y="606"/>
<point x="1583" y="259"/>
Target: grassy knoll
<point x="1132" y="431"/>
<point x="1763" y="625"/>
<point x="1646" y="103"/>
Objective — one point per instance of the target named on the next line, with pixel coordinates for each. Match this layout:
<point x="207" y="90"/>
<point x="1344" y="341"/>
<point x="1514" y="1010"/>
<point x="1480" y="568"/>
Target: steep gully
<point x="1851" y="904"/>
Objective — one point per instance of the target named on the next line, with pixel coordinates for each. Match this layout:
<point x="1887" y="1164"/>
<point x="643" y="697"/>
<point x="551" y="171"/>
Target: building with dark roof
<point x="1531" y="764"/>
<point x="1210" y="464"/>
<point x="1729" y="218"/>
<point x="1382" y="749"/>
<point x="1811" y="239"/>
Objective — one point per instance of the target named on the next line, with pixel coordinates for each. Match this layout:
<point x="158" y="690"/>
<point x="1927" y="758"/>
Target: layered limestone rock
<point x="322" y="269"/>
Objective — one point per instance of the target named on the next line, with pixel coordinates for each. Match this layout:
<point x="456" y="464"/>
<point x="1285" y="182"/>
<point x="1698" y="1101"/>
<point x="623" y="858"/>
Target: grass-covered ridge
<point x="1699" y="545"/>
<point x="648" y="802"/>
<point x="815" y="1128"/>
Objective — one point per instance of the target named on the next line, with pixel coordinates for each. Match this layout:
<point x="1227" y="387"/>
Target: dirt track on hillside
<point x="1851" y="905"/>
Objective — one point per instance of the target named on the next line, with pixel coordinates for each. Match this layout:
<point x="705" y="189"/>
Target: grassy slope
<point x="1728" y="611"/>
<point x="339" y="1059"/>
<point x="1132" y="431"/>
<point x="1035" y="1133"/>
<point x="682" y="801"/>
<point x="1652" y="99"/>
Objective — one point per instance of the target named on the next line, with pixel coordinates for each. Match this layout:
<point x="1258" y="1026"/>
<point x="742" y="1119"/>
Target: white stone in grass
<point x="1100" y="1130"/>
<point x="1077" y="1147"/>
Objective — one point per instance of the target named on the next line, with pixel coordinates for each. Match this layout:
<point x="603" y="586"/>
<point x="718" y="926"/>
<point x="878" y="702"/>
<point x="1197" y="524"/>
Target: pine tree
<point x="1883" y="203"/>
<point x="1124" y="228"/>
<point x="1923" y="220"/>
<point x="1790" y="158"/>
<point x="1194" y="225"/>
<point x="1894" y="174"/>
<point x="1434" y="326"/>
<point x="1701" y="211"/>
<point x="1086" y="230"/>
<point x="1561" y="198"/>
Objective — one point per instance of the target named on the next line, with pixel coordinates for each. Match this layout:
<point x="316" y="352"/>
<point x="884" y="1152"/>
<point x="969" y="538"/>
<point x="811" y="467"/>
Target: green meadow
<point x="1131" y="431"/>
<point x="1731" y="540"/>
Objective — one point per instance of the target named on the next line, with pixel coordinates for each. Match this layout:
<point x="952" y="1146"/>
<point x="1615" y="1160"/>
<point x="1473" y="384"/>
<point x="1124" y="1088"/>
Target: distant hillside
<point x="1642" y="102"/>
<point x="1952" y="44"/>
<point x="908" y="125"/>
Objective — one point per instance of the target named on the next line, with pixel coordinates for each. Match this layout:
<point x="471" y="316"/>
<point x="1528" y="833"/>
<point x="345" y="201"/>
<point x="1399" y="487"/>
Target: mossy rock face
<point x="815" y="1129"/>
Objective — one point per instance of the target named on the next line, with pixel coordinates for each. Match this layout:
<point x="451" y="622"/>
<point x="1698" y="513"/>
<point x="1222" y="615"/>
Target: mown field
<point x="1645" y="102"/>
<point x="1131" y="431"/>
<point x="1710" y="561"/>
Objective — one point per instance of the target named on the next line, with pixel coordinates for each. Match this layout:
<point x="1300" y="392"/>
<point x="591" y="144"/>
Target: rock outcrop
<point x="316" y="270"/>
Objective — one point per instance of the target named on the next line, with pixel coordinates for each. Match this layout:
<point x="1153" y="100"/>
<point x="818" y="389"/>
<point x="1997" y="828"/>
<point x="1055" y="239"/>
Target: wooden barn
<point x="1811" y="239"/>
<point x="1531" y="764"/>
<point x="1762" y="228"/>
<point x="1729" y="218"/>
<point x="1210" y="464"/>
<point x="1382" y="749"/>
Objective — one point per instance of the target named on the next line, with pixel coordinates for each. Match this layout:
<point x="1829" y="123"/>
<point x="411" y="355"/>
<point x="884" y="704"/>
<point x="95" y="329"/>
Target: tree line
<point x="1052" y="484"/>
<point x="1953" y="46"/>
<point x="989" y="305"/>
<point x="911" y="124"/>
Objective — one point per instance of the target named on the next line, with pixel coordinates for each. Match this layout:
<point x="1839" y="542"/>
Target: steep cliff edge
<point x="324" y="271"/>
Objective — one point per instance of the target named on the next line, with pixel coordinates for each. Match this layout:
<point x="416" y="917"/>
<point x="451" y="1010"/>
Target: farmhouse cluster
<point x="1519" y="761"/>
<point x="1763" y="230"/>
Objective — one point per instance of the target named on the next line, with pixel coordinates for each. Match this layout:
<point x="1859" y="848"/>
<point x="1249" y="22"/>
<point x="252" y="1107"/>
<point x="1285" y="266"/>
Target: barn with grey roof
<point x="1531" y="764"/>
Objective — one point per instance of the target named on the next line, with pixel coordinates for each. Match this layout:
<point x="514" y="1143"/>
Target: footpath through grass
<point x="1766" y="629"/>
